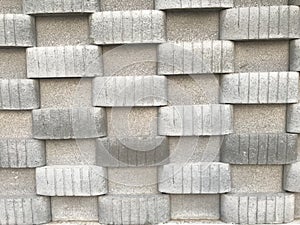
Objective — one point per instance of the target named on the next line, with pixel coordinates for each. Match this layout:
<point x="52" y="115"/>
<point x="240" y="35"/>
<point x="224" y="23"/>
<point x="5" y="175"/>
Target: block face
<point x="128" y="27"/>
<point x="260" y="88"/>
<point x="25" y="210"/>
<point x="71" y="181"/>
<point x="292" y="178"/>
<point x="294" y="2"/>
<point x="64" y="61"/>
<point x="135" y="209"/>
<point x="193" y="4"/>
<point x="257" y="208"/>
<point x="295" y="55"/>
<point x="130" y="91"/>
<point x="22" y="153"/>
<point x="19" y="94"/>
<point x="260" y="23"/>
<point x="132" y="151"/>
<point x="60" y="6"/>
<point x="195" y="120"/>
<point x="259" y="149"/>
<point x="69" y="123"/>
<point x="194" y="178"/>
<point x="203" y="57"/>
<point x="293" y="118"/>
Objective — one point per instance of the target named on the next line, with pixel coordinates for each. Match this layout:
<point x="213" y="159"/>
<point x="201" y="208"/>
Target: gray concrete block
<point x="22" y="153"/>
<point x="11" y="6"/>
<point x="24" y="210"/>
<point x="141" y="151"/>
<point x="128" y="27"/>
<point x="135" y="209"/>
<point x="17" y="30"/>
<point x="203" y="57"/>
<point x="64" y="61"/>
<point x="69" y="123"/>
<point x="246" y="3"/>
<point x="260" y="88"/>
<point x="194" y="178"/>
<point x="119" y="5"/>
<point x="294" y="2"/>
<point x="195" y="120"/>
<point x="262" y="149"/>
<point x="257" y="208"/>
<point x="50" y="7"/>
<point x="295" y="55"/>
<point x="260" y="23"/>
<point x="123" y="91"/>
<point x="292" y="177"/>
<point x="193" y="4"/>
<point x="293" y="118"/>
<point x="71" y="181"/>
<point x="9" y="68"/>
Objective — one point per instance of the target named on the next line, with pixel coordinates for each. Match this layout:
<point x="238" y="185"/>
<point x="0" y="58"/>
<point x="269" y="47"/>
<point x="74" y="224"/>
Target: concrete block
<point x="25" y="210"/>
<point x="294" y="2"/>
<point x="295" y="55"/>
<point x="17" y="30"/>
<point x="260" y="23"/>
<point x="247" y="3"/>
<point x="11" y="6"/>
<point x="69" y="123"/>
<point x="292" y="178"/>
<point x="276" y="148"/>
<point x="9" y="68"/>
<point x="71" y="181"/>
<point x="136" y="209"/>
<point x="22" y="153"/>
<point x="64" y="61"/>
<point x="139" y="151"/>
<point x="293" y="118"/>
<point x="261" y="208"/>
<point x="260" y="88"/>
<point x="119" y="5"/>
<point x="203" y="57"/>
<point x="50" y="7"/>
<point x="127" y="27"/>
<point x="194" y="4"/>
<point x="195" y="120"/>
<point x="124" y="91"/>
<point x="194" y="178"/>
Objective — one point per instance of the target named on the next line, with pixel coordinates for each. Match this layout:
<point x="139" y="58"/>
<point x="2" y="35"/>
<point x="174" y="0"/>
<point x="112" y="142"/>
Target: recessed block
<point x="193" y="4"/>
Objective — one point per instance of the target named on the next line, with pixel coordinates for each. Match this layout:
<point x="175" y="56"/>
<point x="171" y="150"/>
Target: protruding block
<point x="193" y="4"/>
<point x="69" y="123"/>
<point x="257" y="208"/>
<point x="295" y="55"/>
<point x="118" y="91"/>
<point x="71" y="181"/>
<point x="17" y="30"/>
<point x="49" y="7"/>
<point x="203" y="57"/>
<point x="19" y="94"/>
<point x="25" y="210"/>
<point x="293" y="118"/>
<point x="134" y="209"/>
<point x="259" y="149"/>
<point x="132" y="151"/>
<point x="260" y="23"/>
<point x="128" y="27"/>
<point x="22" y="153"/>
<point x="260" y="88"/>
<point x="64" y="62"/>
<point x="195" y="120"/>
<point x="194" y="178"/>
<point x="292" y="177"/>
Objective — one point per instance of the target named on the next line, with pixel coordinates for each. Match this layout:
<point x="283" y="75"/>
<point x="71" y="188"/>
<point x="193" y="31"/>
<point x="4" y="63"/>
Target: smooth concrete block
<point x="263" y="208"/>
<point x="9" y="68"/>
<point x="135" y="209"/>
<point x="71" y="181"/>
<point x="194" y="178"/>
<point x="292" y="177"/>
<point x="119" y="5"/>
<point x="193" y="4"/>
<point x="260" y="23"/>
<point x="293" y="118"/>
<point x="295" y="55"/>
<point x="127" y="27"/>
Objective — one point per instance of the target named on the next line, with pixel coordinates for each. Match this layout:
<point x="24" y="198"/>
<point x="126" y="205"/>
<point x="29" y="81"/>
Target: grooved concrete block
<point x="69" y="123"/>
<point x="203" y="57"/>
<point x="17" y="30"/>
<point x="134" y="209"/>
<point x="49" y="7"/>
<point x="293" y="118"/>
<point x="19" y="94"/>
<point x="128" y="27"/>
<point x="194" y="178"/>
<point x="260" y="88"/>
<point x="257" y="208"/>
<point x="22" y="153"/>
<point x="295" y="55"/>
<point x="132" y="151"/>
<point x="195" y="120"/>
<point x="71" y="181"/>
<point x="64" y="61"/>
<point x="260" y="23"/>
<point x="276" y="148"/>
<point x="292" y="177"/>
<point x="193" y="4"/>
<point x="130" y="91"/>
<point x="24" y="210"/>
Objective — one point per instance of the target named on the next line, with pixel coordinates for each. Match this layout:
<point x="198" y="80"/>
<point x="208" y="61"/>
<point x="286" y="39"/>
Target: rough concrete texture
<point x="297" y="205"/>
<point x="187" y="4"/>
<point x="9" y="68"/>
<point x="247" y="3"/>
<point x="293" y="118"/>
<point x="118" y="5"/>
<point x="9" y="6"/>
